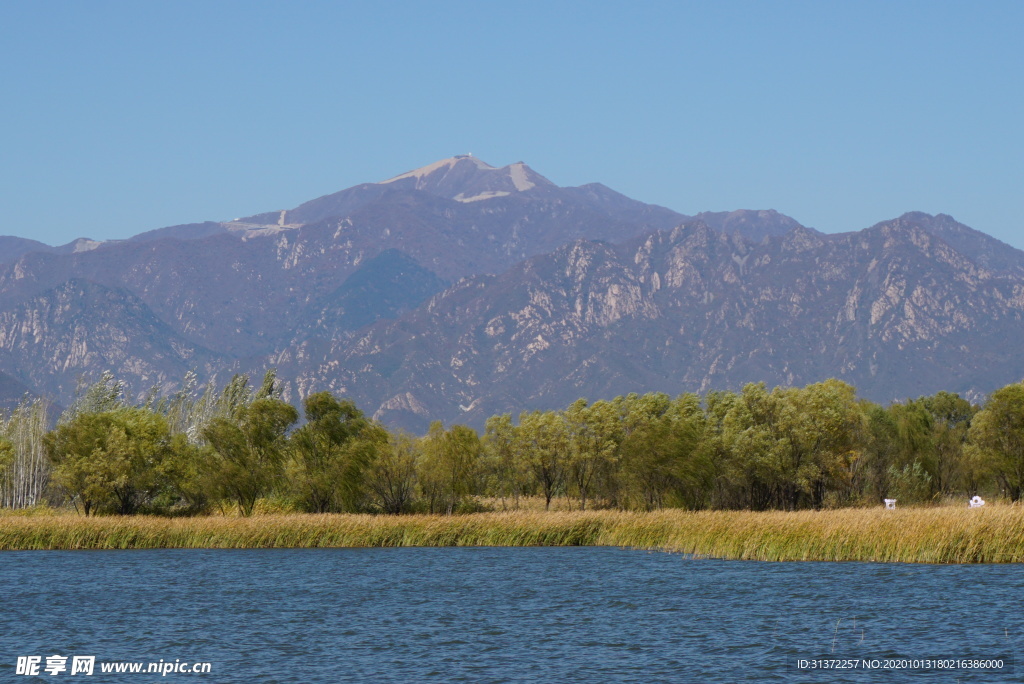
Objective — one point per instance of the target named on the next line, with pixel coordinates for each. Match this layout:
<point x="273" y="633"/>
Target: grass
<point x="994" y="534"/>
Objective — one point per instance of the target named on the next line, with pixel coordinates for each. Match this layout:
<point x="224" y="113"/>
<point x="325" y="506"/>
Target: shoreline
<point x="912" y="535"/>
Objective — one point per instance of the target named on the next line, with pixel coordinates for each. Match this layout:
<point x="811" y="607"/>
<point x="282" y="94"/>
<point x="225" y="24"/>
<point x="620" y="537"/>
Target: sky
<point x="121" y="117"/>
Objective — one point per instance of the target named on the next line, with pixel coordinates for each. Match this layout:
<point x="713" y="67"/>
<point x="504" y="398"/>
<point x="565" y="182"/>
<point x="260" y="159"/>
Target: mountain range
<point x="459" y="290"/>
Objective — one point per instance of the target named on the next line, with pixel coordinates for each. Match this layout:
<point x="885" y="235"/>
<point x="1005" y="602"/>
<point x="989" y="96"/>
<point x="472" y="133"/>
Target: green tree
<point x="331" y="453"/>
<point x="594" y="434"/>
<point x="951" y="420"/>
<point x="794" y="445"/>
<point x="881" y="444"/>
<point x="106" y="394"/>
<point x="641" y="410"/>
<point x="392" y="476"/>
<point x="664" y="459"/>
<point x="248" y="451"/>
<point x="823" y="425"/>
<point x="114" y="460"/>
<point x="542" y="443"/>
<point x="508" y="475"/>
<point x="997" y="436"/>
<point x="449" y="466"/>
<point x="911" y="483"/>
<point x="729" y="479"/>
<point x="915" y="444"/>
<point x="189" y="472"/>
<point x="7" y="456"/>
<point x="753" y="455"/>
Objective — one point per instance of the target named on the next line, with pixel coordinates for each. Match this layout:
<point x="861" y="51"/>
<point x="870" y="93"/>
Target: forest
<point x="239" y="448"/>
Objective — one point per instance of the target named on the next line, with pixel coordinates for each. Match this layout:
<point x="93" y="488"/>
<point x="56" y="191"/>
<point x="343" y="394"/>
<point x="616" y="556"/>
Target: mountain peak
<point x="465" y="178"/>
<point x="985" y="250"/>
<point x="443" y="165"/>
<point x="754" y="224"/>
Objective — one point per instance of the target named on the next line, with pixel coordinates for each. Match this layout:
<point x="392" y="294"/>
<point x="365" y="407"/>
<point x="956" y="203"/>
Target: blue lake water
<point x="499" y="615"/>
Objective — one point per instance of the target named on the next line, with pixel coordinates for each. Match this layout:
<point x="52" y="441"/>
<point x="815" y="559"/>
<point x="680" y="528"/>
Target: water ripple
<point x="497" y="615"/>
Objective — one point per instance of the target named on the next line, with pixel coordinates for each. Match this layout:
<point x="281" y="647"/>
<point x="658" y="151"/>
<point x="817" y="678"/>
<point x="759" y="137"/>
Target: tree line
<point x="213" y="448"/>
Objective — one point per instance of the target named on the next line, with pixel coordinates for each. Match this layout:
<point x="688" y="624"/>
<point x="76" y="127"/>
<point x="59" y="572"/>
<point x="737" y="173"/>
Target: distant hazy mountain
<point x="53" y="340"/>
<point x="187" y="231"/>
<point x="459" y="289"/>
<point x="892" y="310"/>
<point x="11" y="392"/>
<point x="986" y="251"/>
<point x="753" y="225"/>
<point x="13" y="247"/>
<point x="244" y="289"/>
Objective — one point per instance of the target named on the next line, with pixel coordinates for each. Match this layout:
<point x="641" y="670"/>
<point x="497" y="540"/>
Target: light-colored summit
<point x="448" y="163"/>
<point x="519" y="177"/>
<point x="464" y="178"/>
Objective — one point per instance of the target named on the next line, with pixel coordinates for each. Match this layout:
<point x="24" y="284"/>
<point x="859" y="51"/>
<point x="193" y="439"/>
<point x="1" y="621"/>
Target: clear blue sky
<point x="120" y="117"/>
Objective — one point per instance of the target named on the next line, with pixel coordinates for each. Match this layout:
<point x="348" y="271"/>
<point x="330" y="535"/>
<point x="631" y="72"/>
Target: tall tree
<point x="28" y="472"/>
<point x="594" y="434"/>
<point x="794" y="444"/>
<point x="112" y="460"/>
<point x="664" y="460"/>
<point x="248" y="450"/>
<point x="951" y="420"/>
<point x="997" y="435"/>
<point x="331" y="454"/>
<point x="449" y="465"/>
<point x="507" y="471"/>
<point x="542" y="443"/>
<point x="392" y="475"/>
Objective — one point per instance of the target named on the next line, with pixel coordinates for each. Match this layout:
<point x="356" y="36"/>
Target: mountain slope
<point x="462" y="178"/>
<point x="13" y="247"/>
<point x="984" y="250"/>
<point x="892" y="309"/>
<point x="50" y="341"/>
<point x="625" y="209"/>
<point x="244" y="289"/>
<point x="460" y="289"/>
<point x="385" y="286"/>
<point x="752" y="225"/>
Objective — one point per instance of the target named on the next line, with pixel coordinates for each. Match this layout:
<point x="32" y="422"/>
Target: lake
<point x="586" y="614"/>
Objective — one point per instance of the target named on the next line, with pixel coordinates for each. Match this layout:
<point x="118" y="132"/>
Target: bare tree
<point x="24" y="480"/>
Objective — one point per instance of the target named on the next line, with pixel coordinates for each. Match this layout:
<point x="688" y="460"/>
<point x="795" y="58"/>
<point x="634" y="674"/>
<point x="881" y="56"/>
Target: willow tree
<point x="881" y="447"/>
<point x="997" y="436"/>
<point x="664" y="459"/>
<point x="594" y="433"/>
<point x="248" y="451"/>
<point x="6" y="460"/>
<point x="795" y="445"/>
<point x="113" y="460"/>
<point x="391" y="477"/>
<point x="448" y="466"/>
<point x="542" y="443"/>
<point x="951" y="420"/>
<point x="507" y="472"/>
<point x="823" y="424"/>
<point x="331" y="453"/>
<point x="756" y="465"/>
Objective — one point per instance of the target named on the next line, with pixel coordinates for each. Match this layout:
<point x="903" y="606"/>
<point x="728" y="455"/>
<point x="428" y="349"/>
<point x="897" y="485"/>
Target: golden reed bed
<point x="994" y="534"/>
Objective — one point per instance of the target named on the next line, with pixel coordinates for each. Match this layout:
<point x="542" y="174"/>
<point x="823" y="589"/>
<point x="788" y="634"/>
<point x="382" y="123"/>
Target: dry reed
<point x="919" y="535"/>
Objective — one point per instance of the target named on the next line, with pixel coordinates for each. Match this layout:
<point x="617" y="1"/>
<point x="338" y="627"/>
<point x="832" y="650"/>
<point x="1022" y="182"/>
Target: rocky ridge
<point x="459" y="290"/>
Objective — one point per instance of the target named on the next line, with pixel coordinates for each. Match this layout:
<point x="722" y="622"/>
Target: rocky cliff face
<point x="460" y="290"/>
<point x="893" y="310"/>
<point x="245" y="290"/>
<point x="55" y="340"/>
